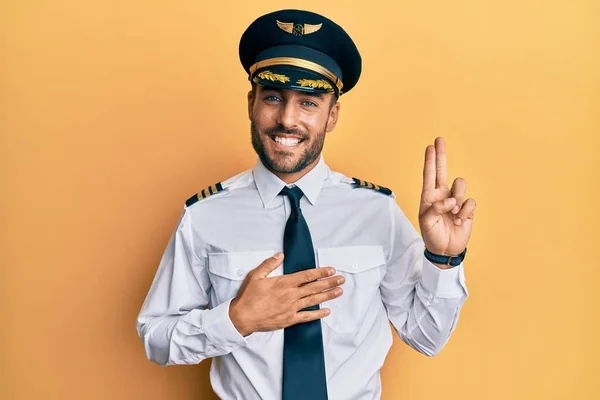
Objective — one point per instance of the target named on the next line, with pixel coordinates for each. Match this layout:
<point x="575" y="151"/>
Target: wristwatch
<point x="447" y="260"/>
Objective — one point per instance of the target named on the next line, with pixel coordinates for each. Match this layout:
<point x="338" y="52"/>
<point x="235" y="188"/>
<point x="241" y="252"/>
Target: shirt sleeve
<point x="422" y="301"/>
<point x="174" y="323"/>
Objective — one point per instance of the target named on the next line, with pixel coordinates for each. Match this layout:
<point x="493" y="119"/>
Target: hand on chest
<point x="362" y="267"/>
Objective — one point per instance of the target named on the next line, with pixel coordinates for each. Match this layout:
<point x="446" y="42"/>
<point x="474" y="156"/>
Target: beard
<point x="283" y="161"/>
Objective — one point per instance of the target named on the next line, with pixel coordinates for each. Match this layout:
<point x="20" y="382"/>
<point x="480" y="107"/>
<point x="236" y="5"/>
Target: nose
<point x="288" y="115"/>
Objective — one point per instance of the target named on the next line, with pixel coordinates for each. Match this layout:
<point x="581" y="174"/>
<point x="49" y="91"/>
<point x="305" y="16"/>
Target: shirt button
<point x="239" y="272"/>
<point x="355" y="266"/>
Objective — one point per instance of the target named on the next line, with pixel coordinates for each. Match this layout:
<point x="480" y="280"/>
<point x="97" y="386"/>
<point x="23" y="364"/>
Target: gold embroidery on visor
<point x="268" y="75"/>
<point x="298" y="62"/>
<point x="320" y="84"/>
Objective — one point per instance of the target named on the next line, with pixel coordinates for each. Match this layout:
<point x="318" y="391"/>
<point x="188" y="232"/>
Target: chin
<point x="283" y="163"/>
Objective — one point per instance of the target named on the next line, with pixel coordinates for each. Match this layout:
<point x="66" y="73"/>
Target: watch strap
<point x="446" y="260"/>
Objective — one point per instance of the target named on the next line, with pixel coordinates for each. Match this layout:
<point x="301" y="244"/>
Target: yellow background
<point x="112" y="113"/>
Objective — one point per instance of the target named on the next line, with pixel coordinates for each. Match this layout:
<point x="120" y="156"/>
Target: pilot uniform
<point x="229" y="228"/>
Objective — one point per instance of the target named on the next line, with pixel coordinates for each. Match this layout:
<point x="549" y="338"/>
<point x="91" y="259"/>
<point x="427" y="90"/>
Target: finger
<point x="459" y="189"/>
<point x="429" y="169"/>
<point x="306" y="316"/>
<point x="320" y="286"/>
<point x="468" y="222"/>
<point x="431" y="216"/>
<point x="442" y="206"/>
<point x="267" y="266"/>
<point x="318" y="298"/>
<point x="467" y="209"/>
<point x="440" y="162"/>
<point x="309" y="275"/>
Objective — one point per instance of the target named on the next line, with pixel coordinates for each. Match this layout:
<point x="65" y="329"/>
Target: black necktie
<point x="303" y="357"/>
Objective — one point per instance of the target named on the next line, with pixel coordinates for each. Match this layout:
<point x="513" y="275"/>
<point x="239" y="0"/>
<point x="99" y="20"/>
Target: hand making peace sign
<point x="445" y="217"/>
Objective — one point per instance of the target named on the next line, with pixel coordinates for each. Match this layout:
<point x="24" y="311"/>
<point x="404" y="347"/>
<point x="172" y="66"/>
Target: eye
<point x="309" y="103"/>
<point x="272" y="98"/>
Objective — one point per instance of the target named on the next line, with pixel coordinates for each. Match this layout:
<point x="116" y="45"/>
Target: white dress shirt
<point x="361" y="232"/>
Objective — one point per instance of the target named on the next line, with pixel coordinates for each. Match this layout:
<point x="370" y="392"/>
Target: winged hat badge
<point x="298" y="29"/>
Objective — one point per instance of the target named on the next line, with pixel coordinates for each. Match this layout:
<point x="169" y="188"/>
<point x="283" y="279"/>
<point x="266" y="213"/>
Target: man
<point x="286" y="275"/>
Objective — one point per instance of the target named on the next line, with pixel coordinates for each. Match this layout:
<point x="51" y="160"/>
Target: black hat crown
<point x="300" y="50"/>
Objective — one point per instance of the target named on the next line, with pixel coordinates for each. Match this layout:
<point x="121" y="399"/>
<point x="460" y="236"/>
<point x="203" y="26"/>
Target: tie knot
<point x="294" y="194"/>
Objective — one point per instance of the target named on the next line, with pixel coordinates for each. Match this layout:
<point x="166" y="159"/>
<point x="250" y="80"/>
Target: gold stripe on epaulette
<point x="369" y="185"/>
<point x="204" y="193"/>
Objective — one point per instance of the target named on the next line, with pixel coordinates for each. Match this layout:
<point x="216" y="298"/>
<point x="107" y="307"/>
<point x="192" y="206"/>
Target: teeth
<point x="287" y="141"/>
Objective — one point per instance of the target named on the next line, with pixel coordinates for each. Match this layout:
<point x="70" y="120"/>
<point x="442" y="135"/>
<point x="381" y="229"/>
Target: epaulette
<point x="204" y="193"/>
<point x="364" y="184"/>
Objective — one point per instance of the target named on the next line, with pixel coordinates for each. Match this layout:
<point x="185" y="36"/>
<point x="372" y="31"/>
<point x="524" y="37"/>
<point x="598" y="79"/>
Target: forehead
<point x="290" y="92"/>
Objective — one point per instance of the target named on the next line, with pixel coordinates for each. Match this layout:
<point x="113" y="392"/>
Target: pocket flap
<point x="352" y="259"/>
<point x="236" y="266"/>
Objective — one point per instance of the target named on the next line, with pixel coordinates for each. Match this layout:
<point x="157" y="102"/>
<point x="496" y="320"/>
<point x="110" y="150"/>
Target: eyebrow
<point x="314" y="94"/>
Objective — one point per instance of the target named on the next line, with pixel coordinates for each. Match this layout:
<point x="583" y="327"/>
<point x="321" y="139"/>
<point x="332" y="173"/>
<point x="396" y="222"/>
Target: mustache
<point x="281" y="130"/>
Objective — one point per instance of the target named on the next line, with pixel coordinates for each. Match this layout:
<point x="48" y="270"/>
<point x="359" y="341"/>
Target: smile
<point x="286" y="141"/>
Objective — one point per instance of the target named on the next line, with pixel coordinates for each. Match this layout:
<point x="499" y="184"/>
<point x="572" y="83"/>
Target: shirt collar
<point x="269" y="185"/>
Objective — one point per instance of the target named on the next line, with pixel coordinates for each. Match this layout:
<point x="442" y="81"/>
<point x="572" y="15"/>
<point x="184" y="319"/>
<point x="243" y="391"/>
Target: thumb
<point x="269" y="265"/>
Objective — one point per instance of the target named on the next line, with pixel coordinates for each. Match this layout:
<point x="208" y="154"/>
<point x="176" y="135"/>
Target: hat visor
<point x="293" y="78"/>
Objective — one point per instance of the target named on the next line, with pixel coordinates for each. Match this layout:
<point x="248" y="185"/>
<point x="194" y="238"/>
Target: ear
<point x="333" y="116"/>
<point x="250" y="104"/>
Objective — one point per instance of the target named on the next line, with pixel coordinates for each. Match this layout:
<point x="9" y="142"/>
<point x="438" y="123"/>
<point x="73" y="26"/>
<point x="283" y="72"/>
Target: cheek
<point x="318" y="123"/>
<point x="264" y="118"/>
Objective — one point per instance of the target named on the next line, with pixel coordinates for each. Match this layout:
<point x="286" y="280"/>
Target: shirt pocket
<point x="227" y="271"/>
<point x="360" y="267"/>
